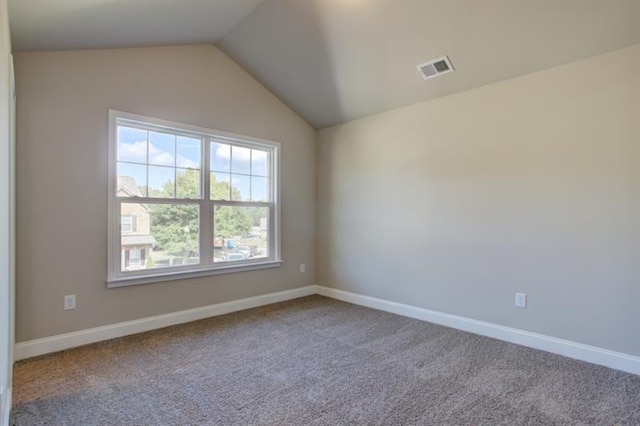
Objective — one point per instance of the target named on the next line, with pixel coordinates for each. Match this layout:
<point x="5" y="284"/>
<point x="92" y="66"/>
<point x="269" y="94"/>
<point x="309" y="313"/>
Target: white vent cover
<point x="435" y="68"/>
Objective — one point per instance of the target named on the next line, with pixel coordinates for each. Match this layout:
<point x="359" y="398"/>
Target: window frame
<point x="116" y="277"/>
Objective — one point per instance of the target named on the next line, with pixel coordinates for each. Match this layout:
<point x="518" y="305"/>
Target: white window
<point x="127" y="222"/>
<point x="186" y="201"/>
<point x="134" y="258"/>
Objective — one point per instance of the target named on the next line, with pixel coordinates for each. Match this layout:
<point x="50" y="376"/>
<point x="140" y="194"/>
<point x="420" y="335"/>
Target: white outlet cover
<point x="521" y="300"/>
<point x="69" y="302"/>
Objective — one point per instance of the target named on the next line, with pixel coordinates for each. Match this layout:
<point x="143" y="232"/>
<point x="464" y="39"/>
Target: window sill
<point x="172" y="276"/>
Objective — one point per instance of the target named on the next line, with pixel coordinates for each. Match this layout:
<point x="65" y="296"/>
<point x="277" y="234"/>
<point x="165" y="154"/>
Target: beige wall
<point x="531" y="185"/>
<point x="528" y="185"/>
<point x="63" y="103"/>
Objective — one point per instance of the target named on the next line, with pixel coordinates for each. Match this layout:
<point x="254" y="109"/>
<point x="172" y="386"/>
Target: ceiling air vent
<point x="435" y="68"/>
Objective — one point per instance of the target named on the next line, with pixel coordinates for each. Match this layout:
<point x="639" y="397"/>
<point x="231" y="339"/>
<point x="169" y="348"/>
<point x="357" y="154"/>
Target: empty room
<point x="319" y="212"/>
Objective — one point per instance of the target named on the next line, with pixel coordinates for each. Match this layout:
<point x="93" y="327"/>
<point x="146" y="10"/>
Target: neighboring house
<point x="135" y="222"/>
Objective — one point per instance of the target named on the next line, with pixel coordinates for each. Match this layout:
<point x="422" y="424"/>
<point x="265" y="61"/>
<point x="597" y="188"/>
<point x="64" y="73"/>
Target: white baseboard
<point x="582" y="352"/>
<point x="5" y="408"/>
<point x="83" y="337"/>
<point x="592" y="354"/>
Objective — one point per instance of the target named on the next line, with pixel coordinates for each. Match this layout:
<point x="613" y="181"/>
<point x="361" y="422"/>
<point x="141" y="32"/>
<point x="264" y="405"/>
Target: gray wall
<point x="531" y="185"/>
<point x="63" y="103"/>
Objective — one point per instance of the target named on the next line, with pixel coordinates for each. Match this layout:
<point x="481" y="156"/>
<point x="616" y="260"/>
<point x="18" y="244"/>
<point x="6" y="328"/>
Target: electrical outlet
<point x="69" y="302"/>
<point x="303" y="268"/>
<point x="521" y="300"/>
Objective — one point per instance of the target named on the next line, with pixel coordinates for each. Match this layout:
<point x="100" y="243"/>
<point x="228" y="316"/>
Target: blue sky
<point x="160" y="156"/>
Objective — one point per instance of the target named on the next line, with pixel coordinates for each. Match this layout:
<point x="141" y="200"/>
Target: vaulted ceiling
<point x="337" y="60"/>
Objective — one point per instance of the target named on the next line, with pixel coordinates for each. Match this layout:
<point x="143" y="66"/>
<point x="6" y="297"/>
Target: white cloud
<point x="239" y="153"/>
<point x="136" y="152"/>
<point x="157" y="156"/>
<point x="185" y="162"/>
<point x="223" y="151"/>
<point x="259" y="155"/>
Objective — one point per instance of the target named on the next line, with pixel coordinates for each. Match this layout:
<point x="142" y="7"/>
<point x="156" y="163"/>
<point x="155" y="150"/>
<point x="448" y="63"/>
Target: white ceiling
<point x="337" y="60"/>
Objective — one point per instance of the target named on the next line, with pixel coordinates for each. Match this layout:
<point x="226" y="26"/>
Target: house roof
<point x="138" y="240"/>
<point x="128" y="185"/>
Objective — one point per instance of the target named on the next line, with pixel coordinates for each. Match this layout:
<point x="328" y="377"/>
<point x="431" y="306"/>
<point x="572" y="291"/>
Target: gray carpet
<point x="316" y="361"/>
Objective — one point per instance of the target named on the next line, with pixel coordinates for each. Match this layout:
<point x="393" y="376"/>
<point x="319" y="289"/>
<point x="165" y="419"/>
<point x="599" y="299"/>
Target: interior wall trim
<point x="579" y="351"/>
<point x="64" y="341"/>
<point x="5" y="407"/>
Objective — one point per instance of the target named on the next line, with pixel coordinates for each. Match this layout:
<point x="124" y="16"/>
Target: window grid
<point x="240" y="249"/>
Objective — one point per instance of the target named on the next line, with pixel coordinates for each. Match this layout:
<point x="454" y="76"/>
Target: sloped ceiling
<point x="334" y="61"/>
<point x="337" y="60"/>
<point x="95" y="24"/>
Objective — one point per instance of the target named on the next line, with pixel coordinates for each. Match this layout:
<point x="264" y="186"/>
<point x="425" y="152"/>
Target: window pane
<point x="220" y="186"/>
<point x="165" y="235"/>
<point x="259" y="163"/>
<point x="132" y="145"/>
<point x="132" y="180"/>
<point x="241" y="188"/>
<point x="188" y="183"/>
<point x="240" y="233"/>
<point x="126" y="223"/>
<point x="240" y="160"/>
<point x="162" y="149"/>
<point x="189" y="153"/>
<point x="134" y="258"/>
<point x="220" y="157"/>
<point x="259" y="188"/>
<point x="161" y="182"/>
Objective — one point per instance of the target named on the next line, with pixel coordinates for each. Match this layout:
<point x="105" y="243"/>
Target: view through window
<point x="189" y="200"/>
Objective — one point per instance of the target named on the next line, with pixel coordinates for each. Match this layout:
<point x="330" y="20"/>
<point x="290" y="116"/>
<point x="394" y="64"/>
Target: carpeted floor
<point x="316" y="361"/>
